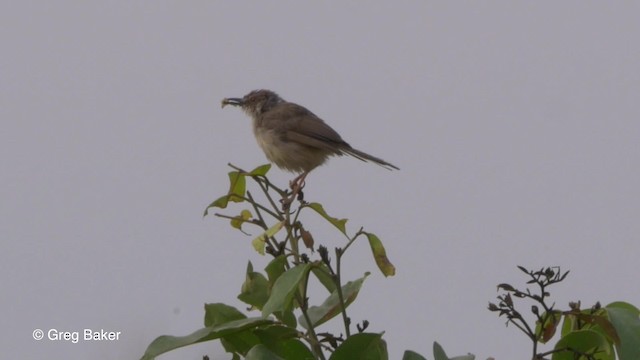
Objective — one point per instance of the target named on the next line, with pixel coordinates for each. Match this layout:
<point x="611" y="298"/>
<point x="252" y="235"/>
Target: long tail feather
<point x="366" y="157"/>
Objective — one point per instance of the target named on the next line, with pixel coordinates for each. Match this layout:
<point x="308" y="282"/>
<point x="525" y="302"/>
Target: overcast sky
<point x="516" y="126"/>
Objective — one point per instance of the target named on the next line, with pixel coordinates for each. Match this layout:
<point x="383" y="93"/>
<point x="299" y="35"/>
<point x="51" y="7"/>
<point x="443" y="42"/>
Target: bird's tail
<point x="366" y="157"/>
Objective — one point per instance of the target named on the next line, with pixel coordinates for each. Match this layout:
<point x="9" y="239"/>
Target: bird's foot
<point x="296" y="185"/>
<point x="298" y="181"/>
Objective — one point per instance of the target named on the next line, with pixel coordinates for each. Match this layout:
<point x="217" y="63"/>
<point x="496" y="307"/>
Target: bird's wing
<point x="302" y="126"/>
<point x="297" y="124"/>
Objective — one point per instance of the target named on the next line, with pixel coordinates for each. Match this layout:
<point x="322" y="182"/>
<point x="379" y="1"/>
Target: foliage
<point x="287" y="323"/>
<point x="585" y="334"/>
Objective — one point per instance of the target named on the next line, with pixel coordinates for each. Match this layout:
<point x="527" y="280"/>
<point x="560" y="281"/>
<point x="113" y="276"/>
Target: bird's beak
<point x="232" y="101"/>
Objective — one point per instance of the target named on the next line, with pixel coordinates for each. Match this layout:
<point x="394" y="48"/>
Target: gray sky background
<point x="515" y="125"/>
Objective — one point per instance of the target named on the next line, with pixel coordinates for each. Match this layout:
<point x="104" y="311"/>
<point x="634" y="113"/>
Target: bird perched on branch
<point x="294" y="138"/>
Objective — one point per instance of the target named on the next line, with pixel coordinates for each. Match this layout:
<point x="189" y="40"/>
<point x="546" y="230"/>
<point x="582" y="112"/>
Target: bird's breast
<point x="287" y="154"/>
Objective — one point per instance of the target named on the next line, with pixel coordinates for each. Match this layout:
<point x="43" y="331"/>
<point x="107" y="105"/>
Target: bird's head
<point x="255" y="102"/>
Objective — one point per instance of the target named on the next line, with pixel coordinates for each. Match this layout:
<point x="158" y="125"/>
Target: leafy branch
<point x="586" y="334"/>
<point x="281" y="291"/>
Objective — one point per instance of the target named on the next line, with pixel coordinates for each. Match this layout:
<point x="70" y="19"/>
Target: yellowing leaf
<point x="237" y="221"/>
<point x="259" y="244"/>
<point x="260" y="241"/>
<point x="339" y="223"/>
<point x="380" y="255"/>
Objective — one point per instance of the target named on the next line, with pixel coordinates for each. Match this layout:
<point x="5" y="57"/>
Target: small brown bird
<point x="293" y="137"/>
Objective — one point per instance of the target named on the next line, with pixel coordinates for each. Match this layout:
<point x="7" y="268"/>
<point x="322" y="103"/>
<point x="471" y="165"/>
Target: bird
<point x="292" y="137"/>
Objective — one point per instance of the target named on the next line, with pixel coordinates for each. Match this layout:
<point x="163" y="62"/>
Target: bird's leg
<point x="293" y="183"/>
<point x="296" y="186"/>
<point x="299" y="186"/>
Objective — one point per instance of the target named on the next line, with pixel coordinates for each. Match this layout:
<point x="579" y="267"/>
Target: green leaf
<point x="439" y="354"/>
<point x="585" y="341"/>
<point x="287" y="317"/>
<point x="380" y="255"/>
<point x="283" y="341"/>
<point x="276" y="333"/>
<point x="568" y="324"/>
<point x="624" y="305"/>
<point x="590" y="319"/>
<point x="626" y="321"/>
<point x="167" y="343"/>
<point x="323" y="275"/>
<point x="338" y="223"/>
<point x="275" y="268"/>
<point x="240" y="342"/>
<point x="260" y="170"/>
<point x="261" y="352"/>
<point x="255" y="289"/>
<point x="238" y="186"/>
<point x="260" y="240"/>
<point x="412" y="355"/>
<point x="220" y="202"/>
<point x="331" y="306"/>
<point x="284" y="289"/>
<point x="218" y="314"/>
<point x="362" y="346"/>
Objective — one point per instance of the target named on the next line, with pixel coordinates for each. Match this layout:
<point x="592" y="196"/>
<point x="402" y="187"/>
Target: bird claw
<point x="296" y="186"/>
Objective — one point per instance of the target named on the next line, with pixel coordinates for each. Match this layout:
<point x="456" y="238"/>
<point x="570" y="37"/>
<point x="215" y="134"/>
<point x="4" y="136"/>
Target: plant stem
<point x="345" y="318"/>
